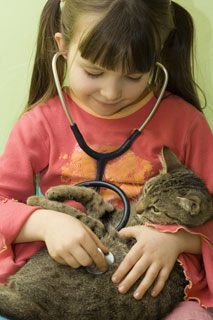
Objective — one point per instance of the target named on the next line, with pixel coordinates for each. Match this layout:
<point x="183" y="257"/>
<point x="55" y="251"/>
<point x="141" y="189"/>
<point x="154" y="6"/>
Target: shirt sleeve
<point x="24" y="156"/>
<point x="199" y="150"/>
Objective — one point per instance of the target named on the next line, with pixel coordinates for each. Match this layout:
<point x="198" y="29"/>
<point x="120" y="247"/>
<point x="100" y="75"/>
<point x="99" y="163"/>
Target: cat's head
<point x="175" y="196"/>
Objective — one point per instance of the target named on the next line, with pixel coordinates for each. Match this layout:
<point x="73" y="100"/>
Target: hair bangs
<point x="121" y="41"/>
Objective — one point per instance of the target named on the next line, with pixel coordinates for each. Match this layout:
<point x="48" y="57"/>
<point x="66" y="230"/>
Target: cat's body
<point x="45" y="290"/>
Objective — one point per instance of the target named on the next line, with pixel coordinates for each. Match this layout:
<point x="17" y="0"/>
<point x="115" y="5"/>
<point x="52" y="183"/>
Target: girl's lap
<point x="190" y="310"/>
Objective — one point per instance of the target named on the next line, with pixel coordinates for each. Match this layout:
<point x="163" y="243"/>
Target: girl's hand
<point x="153" y="256"/>
<point x="68" y="240"/>
<point x="71" y="242"/>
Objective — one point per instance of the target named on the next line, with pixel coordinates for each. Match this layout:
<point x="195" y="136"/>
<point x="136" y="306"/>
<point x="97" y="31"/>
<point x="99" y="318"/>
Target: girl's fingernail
<point x="121" y="289"/>
<point x="137" y="295"/>
<point x="114" y="278"/>
<point x="153" y="293"/>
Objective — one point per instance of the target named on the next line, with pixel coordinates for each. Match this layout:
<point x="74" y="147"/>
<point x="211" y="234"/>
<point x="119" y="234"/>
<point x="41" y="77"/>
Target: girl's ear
<point x="61" y="44"/>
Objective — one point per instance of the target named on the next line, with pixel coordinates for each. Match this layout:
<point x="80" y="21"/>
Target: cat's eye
<point x="154" y="209"/>
<point x="144" y="191"/>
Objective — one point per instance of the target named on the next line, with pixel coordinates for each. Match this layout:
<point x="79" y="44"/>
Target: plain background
<point x="18" y="30"/>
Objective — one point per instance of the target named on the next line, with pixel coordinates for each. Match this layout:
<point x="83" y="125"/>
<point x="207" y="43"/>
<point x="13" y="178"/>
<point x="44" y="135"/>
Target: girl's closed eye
<point x="93" y="74"/>
<point x="99" y="74"/>
<point x="134" y="78"/>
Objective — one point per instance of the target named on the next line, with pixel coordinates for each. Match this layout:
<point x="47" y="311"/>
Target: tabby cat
<point x="46" y="290"/>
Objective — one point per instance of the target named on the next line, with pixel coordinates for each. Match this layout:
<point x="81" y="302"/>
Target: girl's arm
<point x="153" y="256"/>
<point x="67" y="239"/>
<point x="27" y="153"/>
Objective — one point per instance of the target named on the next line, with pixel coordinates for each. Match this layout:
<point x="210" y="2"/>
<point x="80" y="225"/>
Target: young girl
<point x="110" y="50"/>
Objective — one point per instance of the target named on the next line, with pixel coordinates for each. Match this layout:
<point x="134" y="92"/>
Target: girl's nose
<point x="111" y="91"/>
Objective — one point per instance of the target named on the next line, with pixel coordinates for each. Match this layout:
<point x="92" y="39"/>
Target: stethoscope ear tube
<point x="111" y="186"/>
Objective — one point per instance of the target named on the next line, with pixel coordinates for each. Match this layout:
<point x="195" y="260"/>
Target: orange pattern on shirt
<point x="129" y="171"/>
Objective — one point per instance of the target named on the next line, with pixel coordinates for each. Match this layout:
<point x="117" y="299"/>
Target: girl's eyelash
<point x="94" y="75"/>
<point x="134" y="79"/>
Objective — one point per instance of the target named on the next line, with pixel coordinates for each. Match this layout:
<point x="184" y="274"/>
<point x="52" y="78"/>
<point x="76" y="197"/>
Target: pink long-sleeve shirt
<point x="41" y="142"/>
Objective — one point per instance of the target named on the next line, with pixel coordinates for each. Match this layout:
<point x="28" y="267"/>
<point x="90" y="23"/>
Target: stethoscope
<point x="103" y="158"/>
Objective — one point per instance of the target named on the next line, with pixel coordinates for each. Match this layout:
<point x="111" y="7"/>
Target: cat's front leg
<point x="94" y="224"/>
<point x="54" y="205"/>
<point x="94" y="203"/>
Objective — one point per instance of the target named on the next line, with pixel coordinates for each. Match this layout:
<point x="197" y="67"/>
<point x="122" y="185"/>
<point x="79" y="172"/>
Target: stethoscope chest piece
<point x="109" y="258"/>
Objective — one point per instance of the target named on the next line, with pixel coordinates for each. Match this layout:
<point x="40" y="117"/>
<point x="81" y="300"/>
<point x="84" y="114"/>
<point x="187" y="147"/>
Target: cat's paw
<point x="35" y="201"/>
<point x="69" y="192"/>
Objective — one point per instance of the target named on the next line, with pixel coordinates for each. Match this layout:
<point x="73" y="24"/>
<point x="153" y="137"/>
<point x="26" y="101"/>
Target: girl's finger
<point x="91" y="247"/>
<point x="136" y="272"/>
<point x="72" y="262"/>
<point x="97" y="241"/>
<point x="81" y="256"/>
<point x="150" y="276"/>
<point x="68" y="260"/>
<point x="126" y="265"/>
<point x="160" y="283"/>
<point x="128" y="232"/>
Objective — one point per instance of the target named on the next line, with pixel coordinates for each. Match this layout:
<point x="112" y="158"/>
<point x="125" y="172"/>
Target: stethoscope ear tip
<point x="64" y="54"/>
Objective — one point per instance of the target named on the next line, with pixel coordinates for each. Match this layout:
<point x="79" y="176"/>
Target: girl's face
<point x="104" y="91"/>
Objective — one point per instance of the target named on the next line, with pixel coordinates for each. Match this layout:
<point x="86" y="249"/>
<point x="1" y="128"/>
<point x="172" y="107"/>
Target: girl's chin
<point x="106" y="109"/>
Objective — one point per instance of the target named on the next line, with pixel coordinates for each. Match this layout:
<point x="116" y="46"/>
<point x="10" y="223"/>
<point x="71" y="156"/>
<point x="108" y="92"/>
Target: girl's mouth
<point x="107" y="104"/>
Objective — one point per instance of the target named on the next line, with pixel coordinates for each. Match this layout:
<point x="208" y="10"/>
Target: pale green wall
<point x="18" y="27"/>
<point x="201" y="11"/>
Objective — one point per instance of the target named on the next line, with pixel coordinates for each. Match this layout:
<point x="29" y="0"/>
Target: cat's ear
<point x="169" y="160"/>
<point x="190" y="203"/>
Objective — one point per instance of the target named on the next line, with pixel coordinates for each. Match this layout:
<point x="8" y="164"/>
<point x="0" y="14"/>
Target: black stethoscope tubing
<point x="102" y="158"/>
<point x="111" y="186"/>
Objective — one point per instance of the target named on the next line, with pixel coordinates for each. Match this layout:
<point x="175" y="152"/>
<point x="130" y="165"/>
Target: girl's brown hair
<point x="134" y="33"/>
